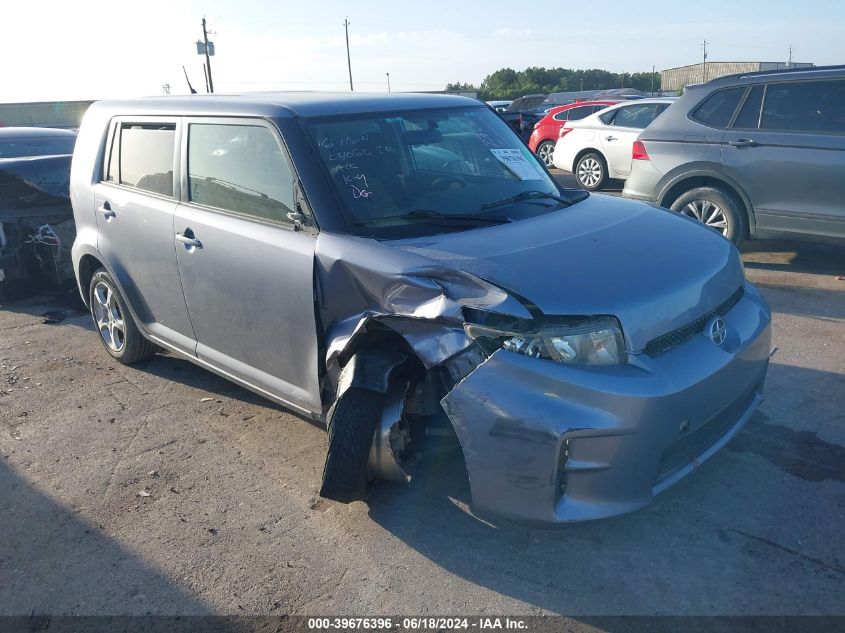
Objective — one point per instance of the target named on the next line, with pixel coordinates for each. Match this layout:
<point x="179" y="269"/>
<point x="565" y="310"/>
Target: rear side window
<point x="805" y="106"/>
<point x="576" y="114"/>
<point x="239" y="168"/>
<point x="146" y="156"/>
<point x="718" y="109"/>
<point x="636" y="116"/>
<point x="561" y="116"/>
<point x="749" y="113"/>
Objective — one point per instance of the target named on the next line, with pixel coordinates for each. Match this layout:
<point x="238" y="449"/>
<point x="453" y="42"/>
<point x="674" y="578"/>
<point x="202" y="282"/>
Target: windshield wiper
<point x="526" y="195"/>
<point x="435" y="217"/>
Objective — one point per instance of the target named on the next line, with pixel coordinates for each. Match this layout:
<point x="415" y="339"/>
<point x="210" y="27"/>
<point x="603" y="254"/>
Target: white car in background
<point x="598" y="147"/>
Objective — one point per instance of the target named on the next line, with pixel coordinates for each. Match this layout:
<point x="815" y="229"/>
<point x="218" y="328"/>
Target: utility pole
<point x="704" y="62"/>
<point x="652" y="80"/>
<point x="388" y="81"/>
<point x="789" y="63"/>
<point x="207" y="58"/>
<point x="348" y="58"/>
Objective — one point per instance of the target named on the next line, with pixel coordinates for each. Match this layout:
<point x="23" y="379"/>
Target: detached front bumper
<point x="551" y="443"/>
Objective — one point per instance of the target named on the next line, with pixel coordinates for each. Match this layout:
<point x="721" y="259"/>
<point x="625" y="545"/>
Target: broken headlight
<point x="589" y="342"/>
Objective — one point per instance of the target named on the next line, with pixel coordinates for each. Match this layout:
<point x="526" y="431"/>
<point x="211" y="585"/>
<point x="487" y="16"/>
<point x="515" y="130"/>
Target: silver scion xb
<point x="402" y="267"/>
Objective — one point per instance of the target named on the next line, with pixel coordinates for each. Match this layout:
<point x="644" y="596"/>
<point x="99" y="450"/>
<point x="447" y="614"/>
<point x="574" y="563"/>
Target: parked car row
<point x="745" y="154"/>
<point x="547" y="130"/>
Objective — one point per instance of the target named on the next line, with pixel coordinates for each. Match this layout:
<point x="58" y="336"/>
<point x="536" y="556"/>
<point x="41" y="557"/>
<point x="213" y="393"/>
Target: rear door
<point x="618" y="137"/>
<point x="786" y="148"/>
<point x="136" y="199"/>
<point x="247" y="269"/>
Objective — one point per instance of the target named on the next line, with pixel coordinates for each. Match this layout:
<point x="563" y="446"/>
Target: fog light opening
<point x="561" y="468"/>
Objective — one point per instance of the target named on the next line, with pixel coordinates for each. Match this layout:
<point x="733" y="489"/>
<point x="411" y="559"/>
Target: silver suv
<point x="751" y="153"/>
<point x="402" y="267"/>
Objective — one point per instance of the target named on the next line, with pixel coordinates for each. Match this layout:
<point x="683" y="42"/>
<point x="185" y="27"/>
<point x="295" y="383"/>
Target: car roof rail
<point x="776" y="71"/>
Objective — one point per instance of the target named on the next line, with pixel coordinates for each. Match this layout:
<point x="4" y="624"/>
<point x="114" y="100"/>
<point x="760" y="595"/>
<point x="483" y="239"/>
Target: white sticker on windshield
<point x="514" y="160"/>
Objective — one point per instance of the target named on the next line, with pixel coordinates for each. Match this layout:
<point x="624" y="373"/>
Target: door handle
<point x="187" y="238"/>
<point x="106" y="211"/>
<point x="609" y="138"/>
<point x="743" y="142"/>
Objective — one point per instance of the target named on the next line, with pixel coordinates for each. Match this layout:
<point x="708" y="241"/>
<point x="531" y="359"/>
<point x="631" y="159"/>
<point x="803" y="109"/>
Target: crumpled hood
<point x="653" y="270"/>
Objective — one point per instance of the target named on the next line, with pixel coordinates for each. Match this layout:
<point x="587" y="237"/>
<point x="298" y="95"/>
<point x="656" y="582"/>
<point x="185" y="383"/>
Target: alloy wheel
<point x="546" y="152"/>
<point x="108" y="317"/>
<point x="589" y="172"/>
<point x="707" y="213"/>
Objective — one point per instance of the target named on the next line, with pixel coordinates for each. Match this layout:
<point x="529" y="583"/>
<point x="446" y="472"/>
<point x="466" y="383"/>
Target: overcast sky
<point x="91" y="49"/>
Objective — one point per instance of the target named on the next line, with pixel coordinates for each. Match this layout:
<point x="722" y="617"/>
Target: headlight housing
<point x="584" y="342"/>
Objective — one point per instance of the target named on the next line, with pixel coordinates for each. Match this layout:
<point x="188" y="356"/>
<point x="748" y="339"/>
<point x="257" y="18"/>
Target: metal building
<point x="64" y="114"/>
<point x="673" y="79"/>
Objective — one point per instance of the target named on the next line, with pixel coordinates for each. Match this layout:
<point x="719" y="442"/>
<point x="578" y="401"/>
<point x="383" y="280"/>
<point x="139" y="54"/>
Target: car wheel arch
<point x="584" y="152"/>
<point x="88" y="265"/>
<point x="687" y="181"/>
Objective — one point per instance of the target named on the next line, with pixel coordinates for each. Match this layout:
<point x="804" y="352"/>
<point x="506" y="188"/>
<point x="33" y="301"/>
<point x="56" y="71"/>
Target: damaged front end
<point x="36" y="223"/>
<point x="558" y="418"/>
<point x="387" y="305"/>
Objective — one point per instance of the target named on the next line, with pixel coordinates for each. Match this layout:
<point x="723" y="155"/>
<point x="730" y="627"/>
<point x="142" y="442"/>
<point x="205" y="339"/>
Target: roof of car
<point x="628" y="102"/>
<point x="285" y="104"/>
<point x="9" y="133"/>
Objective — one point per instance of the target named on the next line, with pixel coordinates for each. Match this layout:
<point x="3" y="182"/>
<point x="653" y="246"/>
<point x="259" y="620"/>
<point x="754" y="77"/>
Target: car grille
<point x="665" y="342"/>
<point x="693" y="444"/>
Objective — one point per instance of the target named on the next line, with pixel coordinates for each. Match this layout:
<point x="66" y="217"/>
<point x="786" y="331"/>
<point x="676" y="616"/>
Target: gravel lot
<point x="163" y="489"/>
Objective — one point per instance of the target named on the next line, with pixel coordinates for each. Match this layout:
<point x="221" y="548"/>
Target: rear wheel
<point x="716" y="209"/>
<point x="117" y="329"/>
<point x="591" y="171"/>
<point x="546" y="152"/>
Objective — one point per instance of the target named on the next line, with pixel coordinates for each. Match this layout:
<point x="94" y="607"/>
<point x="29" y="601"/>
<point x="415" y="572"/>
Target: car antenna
<point x="193" y="92"/>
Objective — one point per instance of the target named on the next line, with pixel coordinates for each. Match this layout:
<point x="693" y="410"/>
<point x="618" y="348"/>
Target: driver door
<point x="246" y="267"/>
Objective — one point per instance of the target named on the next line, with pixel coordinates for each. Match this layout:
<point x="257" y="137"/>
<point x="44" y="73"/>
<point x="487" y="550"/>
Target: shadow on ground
<point x="62" y="564"/>
<point x="794" y="256"/>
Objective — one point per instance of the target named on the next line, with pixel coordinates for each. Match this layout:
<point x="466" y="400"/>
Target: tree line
<point x="507" y="83"/>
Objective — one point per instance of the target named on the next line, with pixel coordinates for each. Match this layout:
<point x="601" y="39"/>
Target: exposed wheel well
<point x="87" y="266"/>
<point x="680" y="188"/>
<point x="585" y="151"/>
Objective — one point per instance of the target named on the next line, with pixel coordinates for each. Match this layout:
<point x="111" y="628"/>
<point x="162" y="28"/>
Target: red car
<point x="543" y="138"/>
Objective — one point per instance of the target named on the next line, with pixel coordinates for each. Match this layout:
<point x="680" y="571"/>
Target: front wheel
<point x="716" y="209"/>
<point x="352" y="423"/>
<point x="546" y="153"/>
<point x="591" y="171"/>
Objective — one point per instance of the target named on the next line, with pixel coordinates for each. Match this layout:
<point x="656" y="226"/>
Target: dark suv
<point x="751" y="153"/>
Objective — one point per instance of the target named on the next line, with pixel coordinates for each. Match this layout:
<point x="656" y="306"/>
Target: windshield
<point x="431" y="171"/>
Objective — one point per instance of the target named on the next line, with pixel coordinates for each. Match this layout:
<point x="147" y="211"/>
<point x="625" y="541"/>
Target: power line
<point x="348" y="58"/>
<point x="207" y="57"/>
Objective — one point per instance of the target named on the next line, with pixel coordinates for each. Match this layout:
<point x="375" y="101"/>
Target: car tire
<point x="118" y="331"/>
<point x="716" y="208"/>
<point x="546" y="152"/>
<point x="591" y="171"/>
<point x="352" y="423"/>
